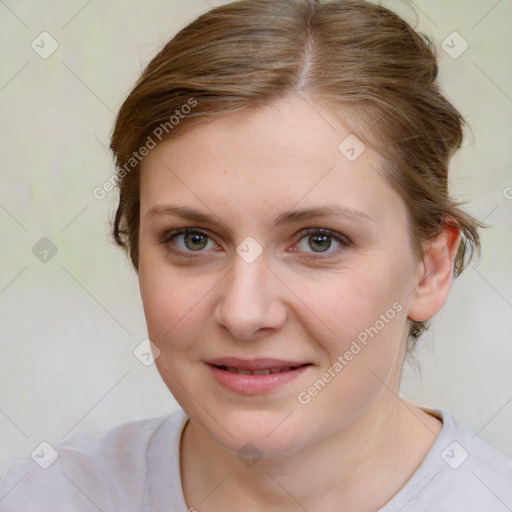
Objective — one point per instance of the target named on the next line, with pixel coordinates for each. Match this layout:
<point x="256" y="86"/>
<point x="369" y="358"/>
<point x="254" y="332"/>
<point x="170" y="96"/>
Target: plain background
<point x="69" y="325"/>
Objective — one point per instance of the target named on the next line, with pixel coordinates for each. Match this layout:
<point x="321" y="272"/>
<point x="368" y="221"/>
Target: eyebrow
<point x="289" y="217"/>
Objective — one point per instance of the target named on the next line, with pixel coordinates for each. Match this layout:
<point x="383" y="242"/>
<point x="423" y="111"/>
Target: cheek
<point x="367" y="324"/>
<point x="367" y="321"/>
<point x="354" y="299"/>
<point x="172" y="307"/>
<point x="174" y="303"/>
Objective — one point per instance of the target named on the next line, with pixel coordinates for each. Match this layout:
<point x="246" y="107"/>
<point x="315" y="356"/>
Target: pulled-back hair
<point x="350" y="53"/>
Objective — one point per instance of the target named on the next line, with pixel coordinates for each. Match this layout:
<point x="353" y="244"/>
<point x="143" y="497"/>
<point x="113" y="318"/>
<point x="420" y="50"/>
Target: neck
<point x="359" y="468"/>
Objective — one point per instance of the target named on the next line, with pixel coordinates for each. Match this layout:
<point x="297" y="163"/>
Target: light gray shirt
<point x="135" y="468"/>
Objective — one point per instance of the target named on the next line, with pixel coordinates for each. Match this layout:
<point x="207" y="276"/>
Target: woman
<point x="283" y="172"/>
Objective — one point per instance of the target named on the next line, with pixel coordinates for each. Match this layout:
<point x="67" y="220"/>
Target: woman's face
<point x="260" y="282"/>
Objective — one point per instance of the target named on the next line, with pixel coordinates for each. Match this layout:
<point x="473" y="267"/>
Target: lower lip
<point x="255" y="384"/>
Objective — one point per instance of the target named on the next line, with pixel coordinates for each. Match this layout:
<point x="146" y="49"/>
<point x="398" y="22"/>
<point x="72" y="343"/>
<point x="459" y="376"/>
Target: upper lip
<point x="254" y="364"/>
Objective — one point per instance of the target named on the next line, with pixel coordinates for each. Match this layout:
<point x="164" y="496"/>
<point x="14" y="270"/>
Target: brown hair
<point x="352" y="53"/>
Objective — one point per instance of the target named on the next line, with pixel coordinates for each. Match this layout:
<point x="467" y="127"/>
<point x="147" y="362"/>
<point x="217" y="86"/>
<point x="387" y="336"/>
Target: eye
<point x="192" y="240"/>
<point x="186" y="241"/>
<point x="320" y="241"/>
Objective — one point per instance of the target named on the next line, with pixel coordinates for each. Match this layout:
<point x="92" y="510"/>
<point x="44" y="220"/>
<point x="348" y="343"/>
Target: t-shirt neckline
<point x="164" y="486"/>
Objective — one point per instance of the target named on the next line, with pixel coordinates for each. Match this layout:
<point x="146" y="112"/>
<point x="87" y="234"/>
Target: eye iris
<point x="195" y="238"/>
<point x="322" y="239"/>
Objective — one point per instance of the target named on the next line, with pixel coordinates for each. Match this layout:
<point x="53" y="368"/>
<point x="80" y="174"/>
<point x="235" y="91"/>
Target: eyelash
<point x="341" y="239"/>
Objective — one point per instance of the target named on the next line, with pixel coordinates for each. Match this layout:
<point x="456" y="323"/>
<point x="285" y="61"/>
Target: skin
<point x="356" y="443"/>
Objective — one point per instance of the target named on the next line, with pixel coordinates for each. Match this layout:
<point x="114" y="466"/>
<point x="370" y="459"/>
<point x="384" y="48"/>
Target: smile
<point x="264" y="371"/>
<point x="256" y="376"/>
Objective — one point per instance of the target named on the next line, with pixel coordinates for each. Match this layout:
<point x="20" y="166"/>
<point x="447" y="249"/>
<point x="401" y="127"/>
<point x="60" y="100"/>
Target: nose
<point x="249" y="305"/>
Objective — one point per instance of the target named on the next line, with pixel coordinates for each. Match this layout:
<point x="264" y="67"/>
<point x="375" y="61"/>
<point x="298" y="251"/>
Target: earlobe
<point x="435" y="274"/>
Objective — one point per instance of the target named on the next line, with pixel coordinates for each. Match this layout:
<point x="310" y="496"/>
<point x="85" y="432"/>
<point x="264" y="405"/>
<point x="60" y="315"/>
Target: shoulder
<point x="461" y="473"/>
<point x="90" y="471"/>
<point x="482" y="472"/>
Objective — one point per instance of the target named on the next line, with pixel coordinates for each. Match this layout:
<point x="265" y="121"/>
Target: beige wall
<point x="69" y="326"/>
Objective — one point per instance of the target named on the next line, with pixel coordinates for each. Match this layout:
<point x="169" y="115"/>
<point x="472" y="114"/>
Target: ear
<point x="435" y="274"/>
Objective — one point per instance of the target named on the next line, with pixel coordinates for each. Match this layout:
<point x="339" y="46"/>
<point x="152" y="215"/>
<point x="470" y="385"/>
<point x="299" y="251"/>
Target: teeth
<point x="236" y="370"/>
<point x="261" y="372"/>
<point x="264" y="371"/>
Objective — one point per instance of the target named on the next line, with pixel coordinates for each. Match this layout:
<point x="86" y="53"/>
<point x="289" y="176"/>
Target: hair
<point x="353" y="54"/>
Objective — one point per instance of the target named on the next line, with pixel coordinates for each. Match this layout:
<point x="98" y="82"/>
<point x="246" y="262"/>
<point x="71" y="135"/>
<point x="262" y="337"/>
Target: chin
<point x="263" y="433"/>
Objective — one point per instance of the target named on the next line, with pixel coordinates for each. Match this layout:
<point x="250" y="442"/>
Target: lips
<point x="255" y="376"/>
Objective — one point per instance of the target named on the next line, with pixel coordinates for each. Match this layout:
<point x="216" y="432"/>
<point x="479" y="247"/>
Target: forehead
<point x="289" y="153"/>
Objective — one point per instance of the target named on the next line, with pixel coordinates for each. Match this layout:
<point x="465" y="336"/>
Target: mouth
<point x="262" y="371"/>
<point x="255" y="376"/>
